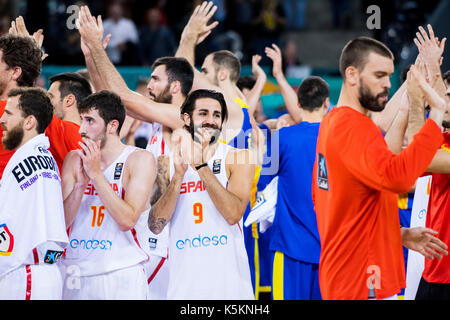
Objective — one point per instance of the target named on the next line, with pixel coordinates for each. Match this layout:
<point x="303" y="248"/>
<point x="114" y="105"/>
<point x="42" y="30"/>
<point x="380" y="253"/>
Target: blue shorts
<point x="293" y="279"/>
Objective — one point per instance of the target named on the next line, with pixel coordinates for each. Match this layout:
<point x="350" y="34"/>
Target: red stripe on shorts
<point x="28" y="291"/>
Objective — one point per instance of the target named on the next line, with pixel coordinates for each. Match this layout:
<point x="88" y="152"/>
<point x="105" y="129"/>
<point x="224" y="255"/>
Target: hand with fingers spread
<point x="197" y="25"/>
<point x="90" y="157"/>
<point x="423" y="240"/>
<point x="18" y="28"/>
<point x="275" y="55"/>
<point x="430" y="48"/>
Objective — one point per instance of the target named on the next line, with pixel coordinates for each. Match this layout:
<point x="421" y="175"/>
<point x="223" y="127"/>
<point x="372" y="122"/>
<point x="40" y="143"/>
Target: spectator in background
<point x="292" y="65"/>
<point x="5" y="22"/>
<point x="295" y="14"/>
<point x="155" y="40"/>
<point x="268" y="23"/>
<point x="124" y="36"/>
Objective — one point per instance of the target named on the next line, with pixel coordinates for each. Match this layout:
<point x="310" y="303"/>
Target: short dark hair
<point x="312" y="93"/>
<point x="177" y="69"/>
<point x="356" y="51"/>
<point x="72" y="83"/>
<point x="228" y="60"/>
<point x="34" y="101"/>
<point x="246" y="82"/>
<point x="446" y="77"/>
<point x="107" y="103"/>
<point x="22" y="52"/>
<point x="188" y="105"/>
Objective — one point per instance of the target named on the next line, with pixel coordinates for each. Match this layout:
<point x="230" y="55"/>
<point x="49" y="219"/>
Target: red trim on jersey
<point x="35" y="256"/>
<point x="162" y="146"/>
<point x="28" y="291"/>
<point x="161" y="262"/>
<point x="133" y="232"/>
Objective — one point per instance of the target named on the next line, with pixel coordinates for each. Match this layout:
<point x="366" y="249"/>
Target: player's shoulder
<point x="141" y="155"/>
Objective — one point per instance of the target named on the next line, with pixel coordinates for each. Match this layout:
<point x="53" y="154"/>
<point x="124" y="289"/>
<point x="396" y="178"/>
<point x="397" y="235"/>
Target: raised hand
<point x="274" y="54"/>
<point x="18" y="28"/>
<point x="256" y="68"/>
<point x="90" y="28"/>
<point x="430" y="48"/>
<point x="198" y="23"/>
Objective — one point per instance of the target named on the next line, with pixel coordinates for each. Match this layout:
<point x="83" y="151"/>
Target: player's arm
<point x="137" y="105"/>
<point x="162" y="178"/>
<point x="395" y="135"/>
<point x="139" y="175"/>
<point x="255" y="93"/>
<point x="440" y="162"/>
<point x="74" y="183"/>
<point x="195" y="31"/>
<point x="232" y="201"/>
<point x="288" y="93"/>
<point x="162" y="211"/>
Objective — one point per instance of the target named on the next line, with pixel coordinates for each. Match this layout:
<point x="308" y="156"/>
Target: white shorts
<point x="157" y="272"/>
<point x="32" y="282"/>
<point x="124" y="284"/>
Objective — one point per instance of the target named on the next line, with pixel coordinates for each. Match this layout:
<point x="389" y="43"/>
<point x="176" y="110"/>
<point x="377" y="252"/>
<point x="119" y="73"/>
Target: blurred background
<point x="311" y="34"/>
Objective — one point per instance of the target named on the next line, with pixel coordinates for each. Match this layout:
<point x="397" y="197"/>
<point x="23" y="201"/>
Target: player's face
<point x="55" y="98"/>
<point x="206" y="119"/>
<point x="12" y="124"/>
<point x="93" y="127"/>
<point x="158" y="86"/>
<point x="209" y="70"/>
<point x="374" y="82"/>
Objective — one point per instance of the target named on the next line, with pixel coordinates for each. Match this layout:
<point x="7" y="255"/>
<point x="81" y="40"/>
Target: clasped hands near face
<point x="194" y="148"/>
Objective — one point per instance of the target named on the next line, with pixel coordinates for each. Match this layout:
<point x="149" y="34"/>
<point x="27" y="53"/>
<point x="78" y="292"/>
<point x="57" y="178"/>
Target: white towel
<point x="264" y="209"/>
<point x="31" y="204"/>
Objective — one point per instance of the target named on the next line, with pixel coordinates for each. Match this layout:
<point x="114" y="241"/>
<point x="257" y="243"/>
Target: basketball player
<point x="220" y="72"/>
<point x="205" y="200"/>
<point x="170" y="82"/>
<point x="361" y="240"/>
<point x="106" y="187"/>
<point x="32" y="229"/>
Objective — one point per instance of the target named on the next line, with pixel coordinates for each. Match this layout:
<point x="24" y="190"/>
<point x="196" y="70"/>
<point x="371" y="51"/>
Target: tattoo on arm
<point x="162" y="179"/>
<point x="156" y="225"/>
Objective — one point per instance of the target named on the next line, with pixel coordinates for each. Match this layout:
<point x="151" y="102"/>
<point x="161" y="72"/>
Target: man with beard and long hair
<point x="355" y="190"/>
<point x="205" y="201"/>
<point x="106" y="190"/>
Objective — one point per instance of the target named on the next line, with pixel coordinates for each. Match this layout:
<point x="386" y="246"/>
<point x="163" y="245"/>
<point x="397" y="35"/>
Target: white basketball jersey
<point x="158" y="244"/>
<point x="97" y="245"/>
<point x="208" y="259"/>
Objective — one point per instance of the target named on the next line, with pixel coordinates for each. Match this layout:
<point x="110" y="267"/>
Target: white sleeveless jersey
<point x="208" y="259"/>
<point x="157" y="244"/>
<point x="96" y="243"/>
